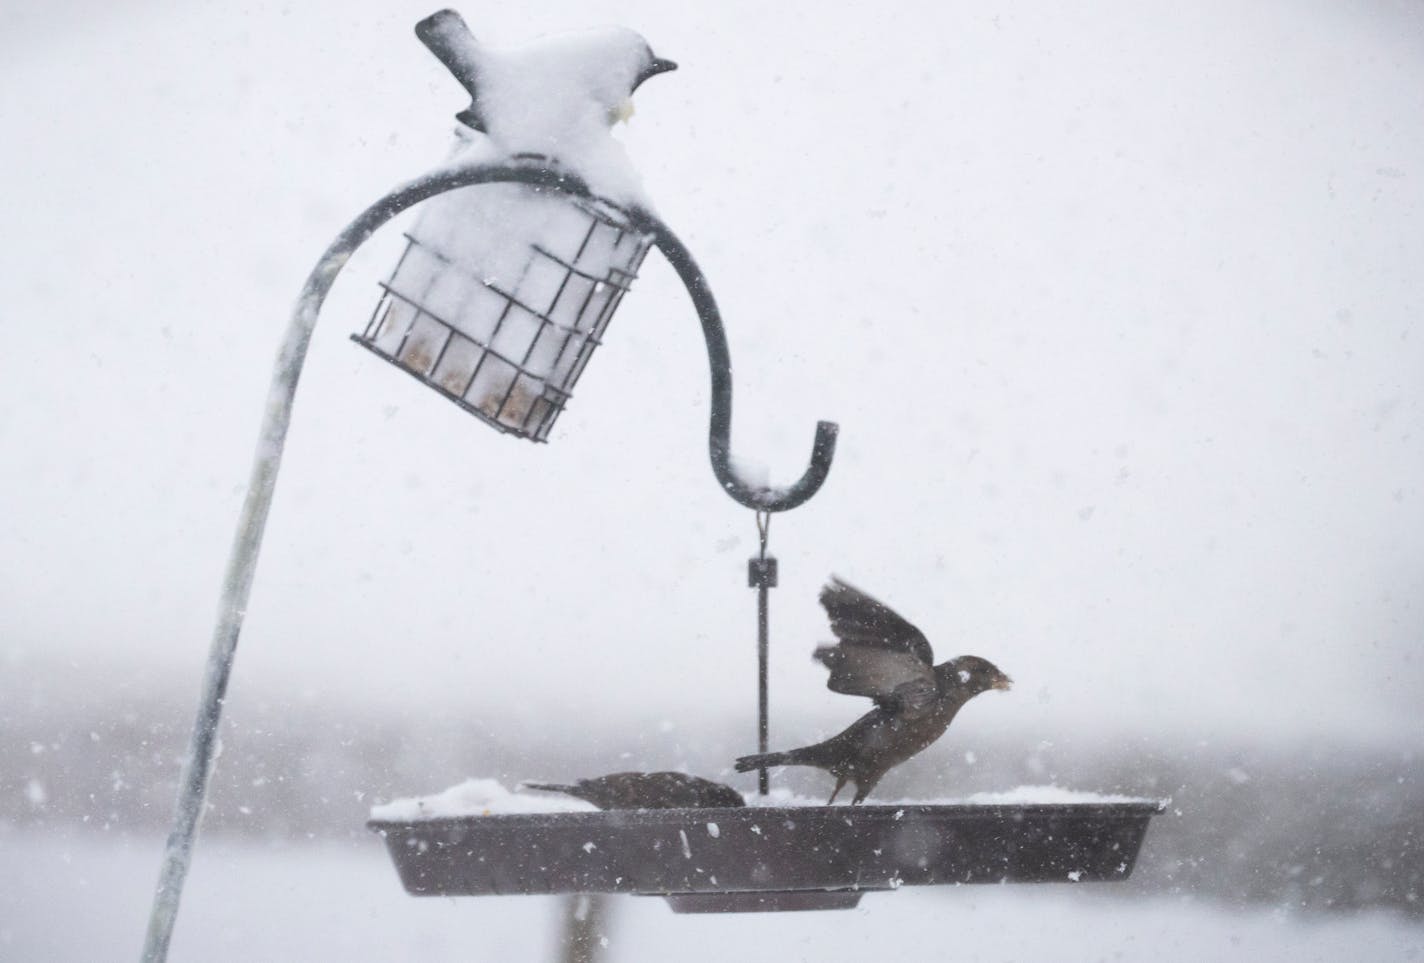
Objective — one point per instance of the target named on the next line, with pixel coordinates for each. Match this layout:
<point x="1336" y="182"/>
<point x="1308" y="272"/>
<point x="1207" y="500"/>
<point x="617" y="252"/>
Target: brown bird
<point x="882" y="656"/>
<point x="648" y="790"/>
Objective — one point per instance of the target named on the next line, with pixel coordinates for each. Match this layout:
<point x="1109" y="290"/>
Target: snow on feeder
<point x="504" y="291"/>
<point x="502" y="295"/>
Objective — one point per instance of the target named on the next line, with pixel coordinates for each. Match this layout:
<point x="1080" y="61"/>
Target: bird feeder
<point x="759" y="858"/>
<point x="504" y="330"/>
<point x="766" y="858"/>
<point x="500" y="316"/>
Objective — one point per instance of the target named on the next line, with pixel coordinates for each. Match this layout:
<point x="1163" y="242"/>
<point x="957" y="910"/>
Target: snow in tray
<point x="489" y="797"/>
<point x="1048" y="795"/>
<point x="476" y="797"/>
<point x="1018" y="796"/>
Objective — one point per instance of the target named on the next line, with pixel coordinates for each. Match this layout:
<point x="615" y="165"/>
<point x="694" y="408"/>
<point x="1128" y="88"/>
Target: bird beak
<point x="657" y="66"/>
<point x="1003" y="683"/>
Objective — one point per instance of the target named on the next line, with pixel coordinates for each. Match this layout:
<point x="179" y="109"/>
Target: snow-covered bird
<point x="556" y="97"/>
<point x="880" y="655"/>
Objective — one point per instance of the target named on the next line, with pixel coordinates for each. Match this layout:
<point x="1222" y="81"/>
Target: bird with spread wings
<point x="881" y="655"/>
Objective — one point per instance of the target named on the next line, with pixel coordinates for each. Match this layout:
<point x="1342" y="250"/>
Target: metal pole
<point x="585" y="927"/>
<point x="761" y="575"/>
<point x="763" y="717"/>
<point x="236" y="588"/>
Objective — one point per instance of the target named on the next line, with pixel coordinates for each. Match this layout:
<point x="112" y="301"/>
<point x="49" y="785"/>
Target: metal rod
<point x="719" y="433"/>
<point x="586" y="919"/>
<point x="763" y="701"/>
<point x="763" y="575"/>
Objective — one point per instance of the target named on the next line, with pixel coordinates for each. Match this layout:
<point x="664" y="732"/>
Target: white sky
<point x="1118" y="311"/>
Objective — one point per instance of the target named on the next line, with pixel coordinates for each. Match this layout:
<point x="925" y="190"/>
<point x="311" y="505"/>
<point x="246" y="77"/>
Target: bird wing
<point x="878" y="654"/>
<point x="895" y="680"/>
<point x="859" y="620"/>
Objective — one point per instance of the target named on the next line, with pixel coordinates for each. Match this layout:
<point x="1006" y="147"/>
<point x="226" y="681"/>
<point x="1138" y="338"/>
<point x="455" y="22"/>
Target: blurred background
<point x="1117" y="310"/>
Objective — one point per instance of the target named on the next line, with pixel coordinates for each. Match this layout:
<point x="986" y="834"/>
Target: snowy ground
<point x="84" y="897"/>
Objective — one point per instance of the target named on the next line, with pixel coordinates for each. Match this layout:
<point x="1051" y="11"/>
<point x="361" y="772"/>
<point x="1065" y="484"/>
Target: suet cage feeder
<point x="503" y="328"/>
<point x="505" y="332"/>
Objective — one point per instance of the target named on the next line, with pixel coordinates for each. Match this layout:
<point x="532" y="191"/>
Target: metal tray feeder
<point x="766" y="858"/>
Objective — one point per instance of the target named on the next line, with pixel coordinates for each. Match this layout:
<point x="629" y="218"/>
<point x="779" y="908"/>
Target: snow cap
<point x="557" y="96"/>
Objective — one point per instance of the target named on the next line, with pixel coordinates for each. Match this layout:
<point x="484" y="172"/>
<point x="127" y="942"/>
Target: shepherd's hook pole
<point x="236" y="588"/>
<point x="242" y="562"/>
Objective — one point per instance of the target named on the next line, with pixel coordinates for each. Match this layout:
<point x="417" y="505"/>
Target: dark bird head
<point x="975" y="675"/>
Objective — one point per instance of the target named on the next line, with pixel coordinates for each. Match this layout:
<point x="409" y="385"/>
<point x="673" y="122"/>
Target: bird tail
<point x="767" y="759"/>
<point x="550" y="787"/>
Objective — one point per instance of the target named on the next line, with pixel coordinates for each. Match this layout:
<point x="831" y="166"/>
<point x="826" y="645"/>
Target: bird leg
<point x="840" y="782"/>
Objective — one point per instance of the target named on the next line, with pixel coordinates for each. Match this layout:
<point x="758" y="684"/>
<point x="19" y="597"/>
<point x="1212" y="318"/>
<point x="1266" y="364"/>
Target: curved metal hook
<point x="719" y="432"/>
<point x="719" y="359"/>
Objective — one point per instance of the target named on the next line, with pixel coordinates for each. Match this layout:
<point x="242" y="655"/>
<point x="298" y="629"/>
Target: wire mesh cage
<point x="502" y="295"/>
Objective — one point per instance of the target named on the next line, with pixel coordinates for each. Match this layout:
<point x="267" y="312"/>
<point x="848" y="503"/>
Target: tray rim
<point x="869" y="813"/>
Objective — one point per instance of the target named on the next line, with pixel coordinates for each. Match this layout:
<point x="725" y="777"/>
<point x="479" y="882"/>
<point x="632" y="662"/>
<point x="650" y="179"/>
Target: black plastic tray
<point x="766" y="858"/>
